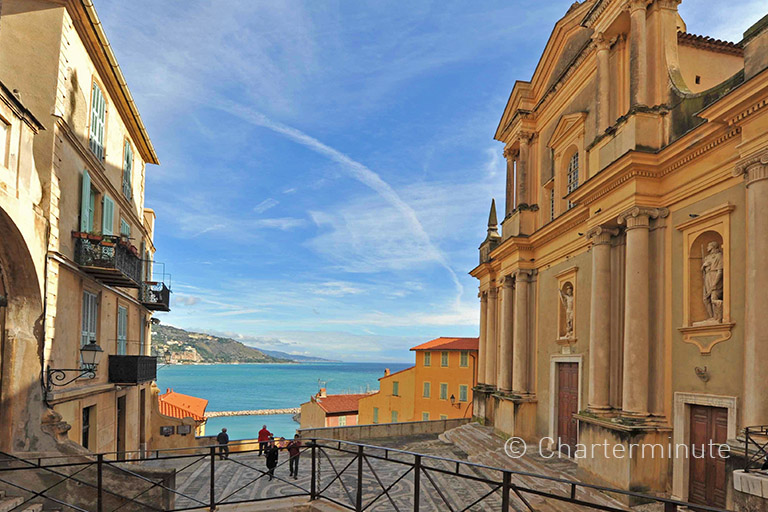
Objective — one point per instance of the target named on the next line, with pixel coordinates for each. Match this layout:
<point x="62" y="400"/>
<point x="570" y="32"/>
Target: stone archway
<point x="29" y="425"/>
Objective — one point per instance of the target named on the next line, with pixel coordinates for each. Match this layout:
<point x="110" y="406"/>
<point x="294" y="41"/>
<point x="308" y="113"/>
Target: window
<point x="375" y="414"/>
<point x="125" y="229"/>
<point x="89" y="417"/>
<point x="425" y="416"/>
<point x="122" y="330"/>
<point x="127" y="170"/>
<point x="443" y="417"/>
<point x="444" y="359"/>
<point x="463" y="392"/>
<point x="464" y="359"/>
<point x="443" y="391"/>
<point x="87" y="204"/>
<point x="573" y="174"/>
<point x="395" y="388"/>
<point x="552" y="204"/>
<point x="342" y="421"/>
<point x="427" y="358"/>
<point x="427" y="390"/>
<point x="142" y="336"/>
<point x="107" y="215"/>
<point x="394" y="416"/>
<point x="98" y="114"/>
<point x="5" y="132"/>
<point x="90" y="318"/>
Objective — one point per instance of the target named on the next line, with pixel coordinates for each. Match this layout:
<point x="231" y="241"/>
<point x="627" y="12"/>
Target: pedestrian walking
<point x="294" y="451"/>
<point x="264" y="436"/>
<point x="223" y="441"/>
<point x="271" y="453"/>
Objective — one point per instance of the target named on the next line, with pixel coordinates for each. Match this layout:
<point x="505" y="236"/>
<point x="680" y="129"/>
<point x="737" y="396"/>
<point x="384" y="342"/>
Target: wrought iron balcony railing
<point x="108" y="259"/>
<point x="755" y="448"/>
<point x="155" y="296"/>
<point x="132" y="369"/>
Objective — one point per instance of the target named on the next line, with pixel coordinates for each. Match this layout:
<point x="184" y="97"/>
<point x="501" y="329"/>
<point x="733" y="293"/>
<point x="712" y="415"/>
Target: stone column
<point x="603" y="82"/>
<point x="638" y="54"/>
<point x="504" y="380"/>
<point x="509" y="206"/>
<point x="522" y="169"/>
<point x="755" y="172"/>
<point x="637" y="309"/>
<point x="490" y="341"/>
<point x="483" y="345"/>
<point x="521" y="342"/>
<point x="600" y="319"/>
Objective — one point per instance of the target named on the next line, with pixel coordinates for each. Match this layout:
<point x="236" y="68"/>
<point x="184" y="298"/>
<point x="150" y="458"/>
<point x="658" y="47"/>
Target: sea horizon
<point x="257" y="386"/>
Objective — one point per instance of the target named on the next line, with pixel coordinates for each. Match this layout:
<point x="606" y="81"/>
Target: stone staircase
<point x="482" y="446"/>
<point x="8" y="503"/>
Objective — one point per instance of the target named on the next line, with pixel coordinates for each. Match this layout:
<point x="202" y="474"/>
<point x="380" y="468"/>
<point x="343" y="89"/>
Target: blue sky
<point x="327" y="166"/>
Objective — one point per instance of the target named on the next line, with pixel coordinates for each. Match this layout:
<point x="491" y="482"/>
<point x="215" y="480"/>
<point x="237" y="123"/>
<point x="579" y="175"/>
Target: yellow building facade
<point x="439" y="386"/>
<point x="622" y="301"/>
<point x="90" y="158"/>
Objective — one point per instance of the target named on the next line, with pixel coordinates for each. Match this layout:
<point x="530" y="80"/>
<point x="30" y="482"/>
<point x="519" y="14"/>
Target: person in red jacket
<point x="264" y="436"/>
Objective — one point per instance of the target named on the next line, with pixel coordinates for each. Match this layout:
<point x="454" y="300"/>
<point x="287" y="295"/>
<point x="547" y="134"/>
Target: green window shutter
<point x="108" y="216"/>
<point x="125" y="228"/>
<point x="98" y="114"/>
<point x="127" y="170"/>
<point x="85" y="203"/>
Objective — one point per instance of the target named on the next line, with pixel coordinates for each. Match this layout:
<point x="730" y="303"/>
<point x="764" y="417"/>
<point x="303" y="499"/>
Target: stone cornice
<point x="637" y="5"/>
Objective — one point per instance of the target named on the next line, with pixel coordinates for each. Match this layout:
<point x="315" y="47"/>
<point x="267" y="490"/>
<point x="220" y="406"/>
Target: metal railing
<point x="755" y="448"/>
<point x="156" y="296"/>
<point x="109" y="259"/>
<point x="354" y="476"/>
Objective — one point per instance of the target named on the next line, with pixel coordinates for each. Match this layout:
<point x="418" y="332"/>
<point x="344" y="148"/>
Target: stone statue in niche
<point x="566" y="297"/>
<point x="712" y="283"/>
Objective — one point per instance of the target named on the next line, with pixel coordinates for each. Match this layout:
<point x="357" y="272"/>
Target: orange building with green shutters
<point x="438" y="386"/>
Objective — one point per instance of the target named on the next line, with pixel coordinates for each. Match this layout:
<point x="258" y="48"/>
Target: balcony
<point x="156" y="296"/>
<point x="132" y="369"/>
<point x="108" y="259"/>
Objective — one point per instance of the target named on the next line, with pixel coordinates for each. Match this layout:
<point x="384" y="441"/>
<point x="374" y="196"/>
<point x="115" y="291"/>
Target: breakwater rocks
<point x="258" y="412"/>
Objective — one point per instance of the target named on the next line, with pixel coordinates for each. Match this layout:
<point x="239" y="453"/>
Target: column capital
<point x="507" y="281"/>
<point x="524" y="274"/>
<point x="601" y="235"/>
<point x="510" y="152"/>
<point x="492" y="292"/>
<point x="601" y="42"/>
<point x="668" y="4"/>
<point x="525" y="137"/>
<point x="753" y="168"/>
<point x="640" y="216"/>
<point x="483" y="296"/>
<point x="636" y="5"/>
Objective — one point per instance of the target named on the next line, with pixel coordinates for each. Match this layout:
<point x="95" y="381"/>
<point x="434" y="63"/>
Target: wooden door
<point x="709" y="429"/>
<point x="567" y="405"/>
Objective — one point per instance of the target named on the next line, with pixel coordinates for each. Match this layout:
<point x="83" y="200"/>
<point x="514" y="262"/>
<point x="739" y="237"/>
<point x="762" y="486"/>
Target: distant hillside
<point x="210" y="349"/>
<point x="298" y="359"/>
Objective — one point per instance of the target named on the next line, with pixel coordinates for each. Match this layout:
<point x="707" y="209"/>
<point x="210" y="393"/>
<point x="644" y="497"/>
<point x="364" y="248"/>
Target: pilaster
<point x="504" y="377"/>
<point x="521" y="343"/>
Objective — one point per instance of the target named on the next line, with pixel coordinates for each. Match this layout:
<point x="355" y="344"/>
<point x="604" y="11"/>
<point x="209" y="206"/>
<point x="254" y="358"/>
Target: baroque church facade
<point x="621" y="300"/>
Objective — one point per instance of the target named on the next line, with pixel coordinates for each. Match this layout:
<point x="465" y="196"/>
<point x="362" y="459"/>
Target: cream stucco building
<point x="76" y="195"/>
<point x="622" y="302"/>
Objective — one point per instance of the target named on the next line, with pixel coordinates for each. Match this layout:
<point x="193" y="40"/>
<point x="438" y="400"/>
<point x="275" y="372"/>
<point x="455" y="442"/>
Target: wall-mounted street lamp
<point x="90" y="354"/>
<point x="453" y="402"/>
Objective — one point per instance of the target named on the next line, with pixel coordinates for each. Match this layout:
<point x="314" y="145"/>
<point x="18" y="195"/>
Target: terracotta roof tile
<point x="334" y="404"/>
<point x="178" y="405"/>
<point x="444" y="343"/>
<point x="709" y="43"/>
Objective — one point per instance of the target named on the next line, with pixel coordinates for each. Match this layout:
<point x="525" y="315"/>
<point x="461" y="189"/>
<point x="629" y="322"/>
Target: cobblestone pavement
<point x="242" y="477"/>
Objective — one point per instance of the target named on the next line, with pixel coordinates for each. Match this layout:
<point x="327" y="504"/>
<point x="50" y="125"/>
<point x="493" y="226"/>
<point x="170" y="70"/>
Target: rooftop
<point x="178" y="405"/>
<point x="444" y="343"/>
<point x="334" y="404"/>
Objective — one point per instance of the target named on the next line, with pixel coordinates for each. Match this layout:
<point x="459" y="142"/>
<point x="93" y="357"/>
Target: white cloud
<point x="337" y="289"/>
<point x="266" y="205"/>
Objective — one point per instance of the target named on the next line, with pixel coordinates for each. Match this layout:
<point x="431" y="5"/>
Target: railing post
<point x="505" y="491"/>
<point x="212" y="500"/>
<point x="359" y="504"/>
<point x="746" y="450"/>
<point x="99" y="483"/>
<point x="313" y="486"/>
<point x="670" y="507"/>
<point x="416" y="483"/>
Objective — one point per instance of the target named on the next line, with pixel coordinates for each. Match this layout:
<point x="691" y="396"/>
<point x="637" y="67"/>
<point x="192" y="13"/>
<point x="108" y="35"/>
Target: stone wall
<point x="359" y="432"/>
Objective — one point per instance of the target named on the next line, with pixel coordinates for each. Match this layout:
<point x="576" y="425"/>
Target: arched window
<point x="573" y="174"/>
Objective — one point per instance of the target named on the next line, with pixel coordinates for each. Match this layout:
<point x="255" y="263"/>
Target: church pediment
<point x="568" y="125"/>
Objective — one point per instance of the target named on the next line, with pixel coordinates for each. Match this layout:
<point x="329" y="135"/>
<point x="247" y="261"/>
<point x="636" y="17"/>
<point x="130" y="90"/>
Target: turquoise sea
<point x="234" y="387"/>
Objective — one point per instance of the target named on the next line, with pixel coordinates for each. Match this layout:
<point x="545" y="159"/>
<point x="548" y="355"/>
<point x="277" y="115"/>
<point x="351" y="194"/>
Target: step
<point x="35" y="507"/>
<point x="8" y="504"/>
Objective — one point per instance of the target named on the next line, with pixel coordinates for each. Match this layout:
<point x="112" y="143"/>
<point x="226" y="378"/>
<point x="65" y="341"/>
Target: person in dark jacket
<point x="223" y="441"/>
<point x="294" y="450"/>
<point x="271" y="452"/>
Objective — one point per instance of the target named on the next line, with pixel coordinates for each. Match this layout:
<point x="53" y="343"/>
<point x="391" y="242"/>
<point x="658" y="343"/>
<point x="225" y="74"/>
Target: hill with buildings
<point x="195" y="347"/>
